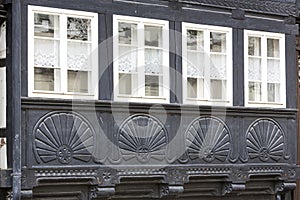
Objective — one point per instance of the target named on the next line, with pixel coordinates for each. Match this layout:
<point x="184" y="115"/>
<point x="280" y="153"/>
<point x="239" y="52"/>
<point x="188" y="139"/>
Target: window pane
<point x="79" y="29"/>
<point x="192" y="87"/>
<point x="46" y="25"/>
<point x="44" y="79"/>
<point x="78" y="81"/>
<point x="152" y="85"/>
<point x="127" y="33"/>
<point x="127" y="59"/>
<point x="79" y="56"/>
<point x="218" y="89"/>
<point x="273" y="70"/>
<point x="128" y="84"/>
<point x="153" y="36"/>
<point x="273" y="92"/>
<point x="195" y="40"/>
<point x="218" y="66"/>
<point x="217" y="42"/>
<point x="273" y="48"/>
<point x="255" y="93"/>
<point x="254" y="46"/>
<point x="153" y="61"/>
<point x="254" y="69"/>
<point x="46" y="53"/>
<point x="195" y="62"/>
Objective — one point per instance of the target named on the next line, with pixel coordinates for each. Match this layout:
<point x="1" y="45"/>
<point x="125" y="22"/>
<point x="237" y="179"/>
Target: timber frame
<point x="112" y="167"/>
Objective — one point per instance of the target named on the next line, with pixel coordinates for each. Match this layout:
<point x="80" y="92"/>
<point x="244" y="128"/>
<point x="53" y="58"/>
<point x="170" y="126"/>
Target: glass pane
<point x="255" y="91"/>
<point x="44" y="79"/>
<point x="273" y="92"/>
<point x="46" y="25"/>
<point x="153" y="61"/>
<point x="254" y="46"/>
<point x="217" y="42"/>
<point x="127" y="59"/>
<point x="152" y="85"/>
<point x="195" y="61"/>
<point x="127" y="33"/>
<point x="273" y="48"/>
<point x="79" y="29"/>
<point x="195" y="40"/>
<point x="218" y="66"/>
<point x="254" y="68"/>
<point x="78" y="81"/>
<point x="79" y="56"/>
<point x="218" y="89"/>
<point x="153" y="36"/>
<point x="192" y="87"/>
<point x="125" y="84"/>
<point x="273" y="70"/>
<point x="46" y="53"/>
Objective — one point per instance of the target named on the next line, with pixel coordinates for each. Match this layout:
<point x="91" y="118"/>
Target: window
<point x="264" y="69"/>
<point x="141" y="59"/>
<point x="207" y="64"/>
<point x="62" y="53"/>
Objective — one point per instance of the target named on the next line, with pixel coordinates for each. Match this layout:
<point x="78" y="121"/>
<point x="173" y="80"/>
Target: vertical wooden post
<point x="297" y="191"/>
<point x="14" y="95"/>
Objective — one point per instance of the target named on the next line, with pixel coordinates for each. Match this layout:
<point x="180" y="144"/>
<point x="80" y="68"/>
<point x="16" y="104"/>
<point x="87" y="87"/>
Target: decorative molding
<point x="177" y="176"/>
<point x="265" y="140"/>
<point x="209" y="139"/>
<point x="208" y="170"/>
<point x="63" y="137"/>
<point x="144" y="138"/>
<point x="275" y="7"/>
<point x="97" y="192"/>
<point x="65" y="172"/>
<point x="232" y="187"/>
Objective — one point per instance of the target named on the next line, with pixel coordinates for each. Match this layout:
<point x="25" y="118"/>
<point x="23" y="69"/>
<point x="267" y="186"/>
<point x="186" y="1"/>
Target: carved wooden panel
<point x="266" y="141"/>
<point x="208" y="138"/>
<point x="63" y="136"/>
<point x="143" y="138"/>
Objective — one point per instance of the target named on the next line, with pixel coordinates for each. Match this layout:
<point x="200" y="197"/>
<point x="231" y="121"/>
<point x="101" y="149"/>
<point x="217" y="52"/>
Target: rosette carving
<point x="142" y="137"/>
<point x="63" y="136"/>
<point x="265" y="140"/>
<point x="208" y="138"/>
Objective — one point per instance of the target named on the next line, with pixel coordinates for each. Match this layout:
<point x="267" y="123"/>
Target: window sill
<point x="61" y="95"/>
<point x="211" y="102"/>
<point x="265" y="104"/>
<point x="207" y="100"/>
<point x="142" y="99"/>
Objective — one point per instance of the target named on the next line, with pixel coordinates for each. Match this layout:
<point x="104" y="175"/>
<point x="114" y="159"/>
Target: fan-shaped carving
<point x="265" y="140"/>
<point x="208" y="138"/>
<point x="63" y="137"/>
<point x="142" y="137"/>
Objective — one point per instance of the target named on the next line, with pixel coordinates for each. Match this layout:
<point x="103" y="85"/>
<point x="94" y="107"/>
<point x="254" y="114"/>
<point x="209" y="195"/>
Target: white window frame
<point x="229" y="89"/>
<point x="93" y="74"/>
<point x="140" y="97"/>
<point x="264" y="36"/>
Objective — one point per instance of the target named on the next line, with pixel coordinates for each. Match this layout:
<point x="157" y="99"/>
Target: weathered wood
<point x="291" y="71"/>
<point x="238" y="67"/>
<point x="105" y="57"/>
<point x="14" y="97"/>
<point x="100" y="172"/>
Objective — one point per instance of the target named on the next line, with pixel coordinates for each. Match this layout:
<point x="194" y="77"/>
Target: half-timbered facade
<point x="149" y="99"/>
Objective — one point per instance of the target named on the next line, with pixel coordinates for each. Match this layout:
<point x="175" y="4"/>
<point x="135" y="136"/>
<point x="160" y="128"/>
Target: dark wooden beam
<point x="13" y="74"/>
